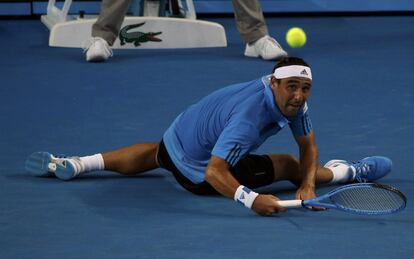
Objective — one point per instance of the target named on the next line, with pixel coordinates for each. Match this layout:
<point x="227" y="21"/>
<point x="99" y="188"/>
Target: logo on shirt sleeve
<point x="234" y="154"/>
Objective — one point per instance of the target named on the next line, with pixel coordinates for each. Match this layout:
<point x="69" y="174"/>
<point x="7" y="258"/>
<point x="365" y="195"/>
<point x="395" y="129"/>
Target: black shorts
<point x="252" y="171"/>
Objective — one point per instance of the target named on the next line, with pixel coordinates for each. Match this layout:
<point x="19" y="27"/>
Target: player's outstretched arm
<point x="219" y="176"/>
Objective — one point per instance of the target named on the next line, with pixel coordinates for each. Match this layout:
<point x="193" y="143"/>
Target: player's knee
<point x="291" y="168"/>
<point x="291" y="164"/>
<point x="285" y="166"/>
<point x="157" y="149"/>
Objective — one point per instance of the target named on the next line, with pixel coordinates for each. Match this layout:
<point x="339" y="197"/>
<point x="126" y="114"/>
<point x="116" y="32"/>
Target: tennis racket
<point x="359" y="198"/>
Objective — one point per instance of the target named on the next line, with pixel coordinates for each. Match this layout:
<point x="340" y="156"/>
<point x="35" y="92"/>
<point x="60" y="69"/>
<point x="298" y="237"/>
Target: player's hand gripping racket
<point x="359" y="198"/>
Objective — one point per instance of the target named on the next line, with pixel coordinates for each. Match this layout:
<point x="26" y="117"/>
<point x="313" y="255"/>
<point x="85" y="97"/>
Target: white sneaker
<point x="46" y="164"/>
<point x="266" y="47"/>
<point x="98" y="50"/>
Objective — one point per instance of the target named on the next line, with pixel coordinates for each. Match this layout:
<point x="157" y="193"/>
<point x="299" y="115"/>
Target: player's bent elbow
<point x="210" y="175"/>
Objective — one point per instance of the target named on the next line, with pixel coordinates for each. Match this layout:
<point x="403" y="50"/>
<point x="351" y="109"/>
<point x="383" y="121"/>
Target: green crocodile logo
<point x="137" y="37"/>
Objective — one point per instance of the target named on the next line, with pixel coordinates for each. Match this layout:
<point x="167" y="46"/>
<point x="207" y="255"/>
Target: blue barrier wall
<point x="10" y="7"/>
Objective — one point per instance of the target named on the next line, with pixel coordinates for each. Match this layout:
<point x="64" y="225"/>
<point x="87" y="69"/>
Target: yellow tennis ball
<point x="296" y="37"/>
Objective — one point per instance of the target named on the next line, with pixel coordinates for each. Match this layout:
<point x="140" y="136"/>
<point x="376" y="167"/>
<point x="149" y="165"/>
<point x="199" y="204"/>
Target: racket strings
<point x="369" y="200"/>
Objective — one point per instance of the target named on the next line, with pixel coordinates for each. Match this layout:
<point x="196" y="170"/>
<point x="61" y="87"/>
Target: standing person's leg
<point x="110" y="20"/>
<point x="250" y="21"/>
<point x="106" y="29"/>
<point x="129" y="160"/>
<point x="253" y="30"/>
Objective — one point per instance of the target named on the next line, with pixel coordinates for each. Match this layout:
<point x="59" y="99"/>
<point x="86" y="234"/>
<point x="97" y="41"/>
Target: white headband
<point x="294" y="70"/>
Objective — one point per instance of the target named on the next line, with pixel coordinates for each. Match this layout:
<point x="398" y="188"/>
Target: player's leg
<point x="256" y="171"/>
<point x="128" y="161"/>
<point x="133" y="159"/>
<point x="286" y="167"/>
<point x="364" y="170"/>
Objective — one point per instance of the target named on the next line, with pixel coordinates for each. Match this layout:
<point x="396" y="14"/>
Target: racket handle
<point x="290" y="203"/>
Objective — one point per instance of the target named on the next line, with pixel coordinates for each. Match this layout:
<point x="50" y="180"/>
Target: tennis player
<point x="209" y="147"/>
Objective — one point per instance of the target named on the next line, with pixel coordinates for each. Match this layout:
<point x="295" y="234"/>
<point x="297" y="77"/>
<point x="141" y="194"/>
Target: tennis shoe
<point x="364" y="170"/>
<point x="371" y="168"/>
<point x="46" y="164"/>
<point x="266" y="47"/>
<point x="97" y="50"/>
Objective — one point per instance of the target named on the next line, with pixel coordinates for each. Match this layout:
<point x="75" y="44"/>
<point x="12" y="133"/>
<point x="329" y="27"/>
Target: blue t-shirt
<point x="229" y="123"/>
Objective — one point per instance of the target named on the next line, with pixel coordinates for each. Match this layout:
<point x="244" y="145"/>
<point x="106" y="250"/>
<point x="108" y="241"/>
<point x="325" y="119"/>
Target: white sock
<point x="93" y="163"/>
<point x="342" y="171"/>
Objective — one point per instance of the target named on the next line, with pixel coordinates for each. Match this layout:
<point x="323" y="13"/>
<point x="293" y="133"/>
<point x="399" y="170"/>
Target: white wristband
<point x="245" y="196"/>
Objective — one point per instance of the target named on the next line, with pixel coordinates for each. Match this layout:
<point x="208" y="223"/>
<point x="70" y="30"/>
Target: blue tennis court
<point x="52" y="100"/>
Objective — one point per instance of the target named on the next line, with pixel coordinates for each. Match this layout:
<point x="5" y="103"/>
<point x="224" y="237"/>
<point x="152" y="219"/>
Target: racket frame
<point x="317" y="202"/>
